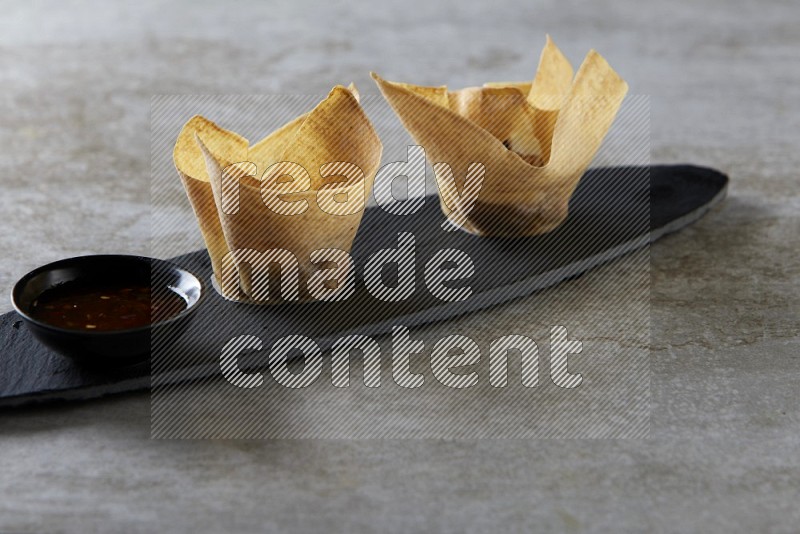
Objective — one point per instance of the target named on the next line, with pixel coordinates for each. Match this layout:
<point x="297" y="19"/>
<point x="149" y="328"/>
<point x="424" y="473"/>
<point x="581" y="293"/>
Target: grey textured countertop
<point x="724" y="83"/>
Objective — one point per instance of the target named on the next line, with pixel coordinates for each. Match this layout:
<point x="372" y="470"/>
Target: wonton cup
<point x="279" y="206"/>
<point x="535" y="140"/>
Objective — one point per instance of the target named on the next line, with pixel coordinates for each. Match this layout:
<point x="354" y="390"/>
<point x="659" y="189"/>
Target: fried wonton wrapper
<point x="301" y="189"/>
<point x="535" y="140"/>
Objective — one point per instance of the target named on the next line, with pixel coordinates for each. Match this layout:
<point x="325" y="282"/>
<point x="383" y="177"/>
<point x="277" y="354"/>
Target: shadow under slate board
<point x="614" y="211"/>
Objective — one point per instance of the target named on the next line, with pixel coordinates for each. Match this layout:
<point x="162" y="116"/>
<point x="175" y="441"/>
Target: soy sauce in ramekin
<point x="81" y="306"/>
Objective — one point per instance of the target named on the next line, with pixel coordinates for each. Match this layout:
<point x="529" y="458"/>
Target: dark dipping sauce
<point x="86" y="307"/>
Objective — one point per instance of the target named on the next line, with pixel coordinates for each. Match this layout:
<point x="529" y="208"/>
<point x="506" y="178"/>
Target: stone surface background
<point x="724" y="83"/>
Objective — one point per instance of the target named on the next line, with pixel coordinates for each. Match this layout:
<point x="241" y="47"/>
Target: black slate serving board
<point x="614" y="211"/>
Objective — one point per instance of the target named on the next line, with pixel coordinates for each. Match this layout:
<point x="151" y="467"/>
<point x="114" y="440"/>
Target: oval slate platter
<point x="614" y="211"/>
